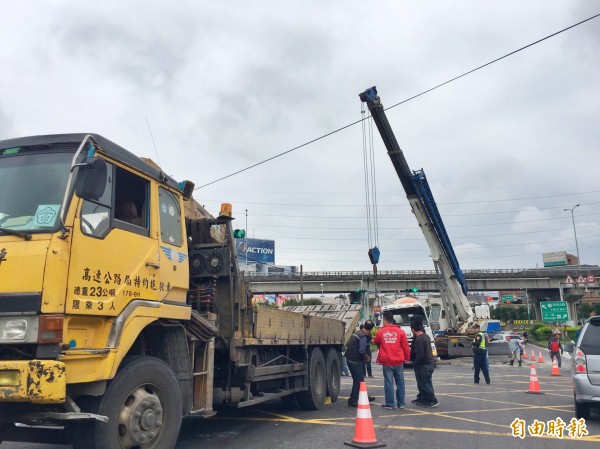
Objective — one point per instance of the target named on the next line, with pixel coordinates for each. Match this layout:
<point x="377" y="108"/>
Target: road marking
<point x="406" y="428"/>
<point x="543" y="407"/>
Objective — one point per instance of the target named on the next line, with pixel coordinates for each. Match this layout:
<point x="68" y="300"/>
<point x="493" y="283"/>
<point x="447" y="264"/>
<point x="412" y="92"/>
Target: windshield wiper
<point x="25" y="235"/>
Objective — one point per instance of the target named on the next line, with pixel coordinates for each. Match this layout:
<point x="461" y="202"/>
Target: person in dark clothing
<point x="423" y="363"/>
<point x="356" y="356"/>
<point x="480" y="354"/>
<point x="367" y="368"/>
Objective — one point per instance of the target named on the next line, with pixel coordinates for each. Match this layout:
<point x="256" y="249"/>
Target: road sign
<point x="581" y="279"/>
<point x="554" y="311"/>
<point x="590" y="279"/>
<point x="569" y="280"/>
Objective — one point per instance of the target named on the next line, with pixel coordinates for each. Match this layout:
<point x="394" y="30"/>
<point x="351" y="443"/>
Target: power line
<point x="412" y="261"/>
<point x="406" y="205"/>
<point x="398" y="104"/>
<point x="412" y="227"/>
<point x="539" y="231"/>
<point x="412" y="218"/>
<point x="427" y="250"/>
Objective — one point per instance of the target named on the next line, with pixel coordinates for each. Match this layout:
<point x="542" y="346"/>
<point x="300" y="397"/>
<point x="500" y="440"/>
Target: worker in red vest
<point x="555" y="347"/>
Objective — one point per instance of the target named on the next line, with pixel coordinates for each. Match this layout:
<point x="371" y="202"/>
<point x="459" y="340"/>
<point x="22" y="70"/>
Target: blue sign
<point x="256" y="250"/>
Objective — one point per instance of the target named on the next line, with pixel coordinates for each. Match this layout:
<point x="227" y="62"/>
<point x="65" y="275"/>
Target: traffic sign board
<point x="569" y="280"/>
<point x="554" y="311"/>
<point x="590" y="279"/>
<point x="581" y="279"/>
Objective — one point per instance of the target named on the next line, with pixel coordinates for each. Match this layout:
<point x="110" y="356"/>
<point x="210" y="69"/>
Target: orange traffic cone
<point x="364" y="432"/>
<point x="555" y="370"/>
<point x="533" y="355"/>
<point x="540" y="358"/>
<point x="524" y="354"/>
<point x="534" y="385"/>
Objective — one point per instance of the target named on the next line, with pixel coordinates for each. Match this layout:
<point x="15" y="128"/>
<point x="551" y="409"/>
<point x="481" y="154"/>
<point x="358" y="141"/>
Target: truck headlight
<point x="14" y="330"/>
<point x="19" y="329"/>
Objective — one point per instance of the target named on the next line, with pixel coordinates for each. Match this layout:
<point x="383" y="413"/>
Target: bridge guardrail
<point x="421" y="274"/>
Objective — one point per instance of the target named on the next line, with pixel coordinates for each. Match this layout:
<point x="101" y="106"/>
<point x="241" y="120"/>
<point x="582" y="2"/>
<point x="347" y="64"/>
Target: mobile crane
<point x="453" y="286"/>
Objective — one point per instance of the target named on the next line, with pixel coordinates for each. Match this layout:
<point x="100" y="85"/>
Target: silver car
<point x="585" y="368"/>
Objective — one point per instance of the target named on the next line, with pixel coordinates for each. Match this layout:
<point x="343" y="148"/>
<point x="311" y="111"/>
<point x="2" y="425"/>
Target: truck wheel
<point x="582" y="409"/>
<point x="144" y="407"/>
<point x="314" y="397"/>
<point x="333" y="374"/>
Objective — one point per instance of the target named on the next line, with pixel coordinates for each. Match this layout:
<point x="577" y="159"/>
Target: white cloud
<point x="226" y="85"/>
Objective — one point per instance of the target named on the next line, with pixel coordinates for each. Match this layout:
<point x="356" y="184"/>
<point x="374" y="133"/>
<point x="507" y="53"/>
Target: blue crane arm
<point x="423" y="191"/>
<point x="414" y="183"/>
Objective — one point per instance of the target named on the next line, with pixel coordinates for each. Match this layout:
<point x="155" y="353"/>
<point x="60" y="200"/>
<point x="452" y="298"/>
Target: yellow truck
<point x="123" y="308"/>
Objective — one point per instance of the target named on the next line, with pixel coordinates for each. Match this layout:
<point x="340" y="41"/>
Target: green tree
<point x="522" y="313"/>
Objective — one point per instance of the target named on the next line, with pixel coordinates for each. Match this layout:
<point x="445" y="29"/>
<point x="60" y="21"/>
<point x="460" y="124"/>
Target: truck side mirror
<point x="568" y="347"/>
<point x="91" y="179"/>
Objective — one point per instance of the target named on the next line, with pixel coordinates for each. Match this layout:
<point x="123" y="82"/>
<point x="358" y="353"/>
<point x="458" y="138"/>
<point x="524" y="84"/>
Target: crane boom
<point x="453" y="286"/>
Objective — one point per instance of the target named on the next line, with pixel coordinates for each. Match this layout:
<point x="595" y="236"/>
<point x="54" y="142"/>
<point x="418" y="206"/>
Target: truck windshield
<point x="403" y="316"/>
<point x="32" y="187"/>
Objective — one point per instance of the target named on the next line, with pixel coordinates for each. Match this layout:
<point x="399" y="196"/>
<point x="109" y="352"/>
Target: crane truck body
<point x="457" y="310"/>
<point x="123" y="308"/>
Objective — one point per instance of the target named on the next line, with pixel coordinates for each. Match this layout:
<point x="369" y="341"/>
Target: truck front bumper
<point x="33" y="381"/>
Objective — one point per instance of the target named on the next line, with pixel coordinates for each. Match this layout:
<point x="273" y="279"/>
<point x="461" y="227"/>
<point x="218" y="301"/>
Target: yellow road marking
<point x="396" y="427"/>
<point x="544" y="407"/>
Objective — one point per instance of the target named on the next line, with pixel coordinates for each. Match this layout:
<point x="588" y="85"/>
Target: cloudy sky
<point x="225" y="85"/>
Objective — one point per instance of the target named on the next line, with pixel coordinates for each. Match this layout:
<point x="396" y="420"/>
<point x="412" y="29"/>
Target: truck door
<point x="173" y="247"/>
<point x="115" y="254"/>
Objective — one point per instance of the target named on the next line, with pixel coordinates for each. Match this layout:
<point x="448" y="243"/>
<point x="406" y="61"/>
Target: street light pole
<point x="575" y="232"/>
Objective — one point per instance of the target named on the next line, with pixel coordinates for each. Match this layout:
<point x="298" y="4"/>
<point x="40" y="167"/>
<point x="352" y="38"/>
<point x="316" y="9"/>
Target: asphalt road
<point x="469" y="416"/>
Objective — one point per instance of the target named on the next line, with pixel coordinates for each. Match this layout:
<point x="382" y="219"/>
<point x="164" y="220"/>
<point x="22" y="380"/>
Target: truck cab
<point x="404" y="310"/>
<point x="93" y="251"/>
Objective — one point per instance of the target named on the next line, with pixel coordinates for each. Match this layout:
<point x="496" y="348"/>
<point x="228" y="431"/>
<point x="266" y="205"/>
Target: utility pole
<point x="575" y="232"/>
<point x="301" y="286"/>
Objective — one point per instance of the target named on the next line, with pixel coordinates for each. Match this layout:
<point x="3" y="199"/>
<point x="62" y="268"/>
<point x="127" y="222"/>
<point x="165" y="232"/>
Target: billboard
<point x="277" y="300"/>
<point x="257" y="250"/>
<point x="555" y="259"/>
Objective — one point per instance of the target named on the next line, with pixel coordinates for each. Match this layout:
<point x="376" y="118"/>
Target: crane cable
<point x="370" y="194"/>
<point x="373" y="185"/>
<point x="366" y="176"/>
<point x="370" y="181"/>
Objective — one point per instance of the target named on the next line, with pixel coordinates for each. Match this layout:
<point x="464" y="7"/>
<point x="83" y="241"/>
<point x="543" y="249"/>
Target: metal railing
<point x="497" y="271"/>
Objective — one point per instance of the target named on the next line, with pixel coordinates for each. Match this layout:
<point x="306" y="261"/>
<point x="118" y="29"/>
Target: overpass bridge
<point x="538" y="283"/>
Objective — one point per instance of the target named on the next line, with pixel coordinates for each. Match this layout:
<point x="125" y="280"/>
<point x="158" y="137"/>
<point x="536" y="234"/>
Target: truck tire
<point x="332" y="362"/>
<point x="144" y="406"/>
<point x="314" y="397"/>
